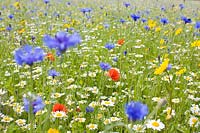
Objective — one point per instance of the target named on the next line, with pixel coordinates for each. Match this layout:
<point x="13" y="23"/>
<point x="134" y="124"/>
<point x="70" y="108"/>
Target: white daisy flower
<point x="107" y="103"/>
<point x="139" y="128"/>
<point x="21" y="122"/>
<point x="70" y="80"/>
<point x="57" y="95"/>
<point x="169" y="111"/>
<point x="155" y="125"/>
<point x="92" y="126"/>
<point x="7" y="119"/>
<point x="176" y="100"/>
<point x="18" y="109"/>
<point x="80" y="119"/>
<point x="156" y="99"/>
<point x="93" y="104"/>
<point x="92" y="74"/>
<point x="59" y="114"/>
<point x="113" y="119"/>
<point x="194" y="121"/>
<point x="107" y="121"/>
<point x="195" y="109"/>
<point x="99" y="116"/>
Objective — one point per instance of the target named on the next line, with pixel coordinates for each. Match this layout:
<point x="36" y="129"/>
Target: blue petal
<point x="50" y="42"/>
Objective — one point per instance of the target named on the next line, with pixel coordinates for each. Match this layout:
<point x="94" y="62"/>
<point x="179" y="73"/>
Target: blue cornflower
<point x="85" y="10"/>
<point x="9" y="28"/>
<point x="181" y="6"/>
<point x="89" y="109"/>
<point x="58" y="53"/>
<point x="11" y="16"/>
<point x="164" y="21"/>
<point x="157" y="17"/>
<point x="28" y="55"/>
<point x="122" y="21"/>
<point x="115" y="59"/>
<point x="1" y="19"/>
<point x="53" y="73"/>
<point x="144" y="20"/>
<point x="109" y="46"/>
<point x="169" y="67"/>
<point x="62" y="41"/>
<point x="125" y="52"/>
<point x="104" y="66"/>
<point x="147" y="12"/>
<point x="197" y="25"/>
<point x="68" y="3"/>
<point x="36" y="104"/>
<point x="136" y="110"/>
<point x="135" y="17"/>
<point x="147" y="27"/>
<point x="197" y="34"/>
<point x="106" y="26"/>
<point x="186" y="20"/>
<point x="163" y="8"/>
<point x="126" y="4"/>
<point x="46" y="1"/>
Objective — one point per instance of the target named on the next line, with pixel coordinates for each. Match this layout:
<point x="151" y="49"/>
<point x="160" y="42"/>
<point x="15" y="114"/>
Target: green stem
<point x="170" y="93"/>
<point x="32" y="81"/>
<point x="31" y="117"/>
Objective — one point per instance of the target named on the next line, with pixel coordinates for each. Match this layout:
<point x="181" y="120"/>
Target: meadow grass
<point x="82" y="83"/>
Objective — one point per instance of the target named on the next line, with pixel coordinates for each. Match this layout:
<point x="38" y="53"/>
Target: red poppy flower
<point x="50" y="57"/>
<point x="114" y="74"/>
<point x="121" y="41"/>
<point x="59" y="107"/>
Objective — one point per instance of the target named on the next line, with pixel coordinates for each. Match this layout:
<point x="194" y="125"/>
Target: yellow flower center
<point x="194" y="120"/>
<point x="155" y="124"/>
<point x="92" y="126"/>
<point x="6" y="119"/>
<point x="139" y="128"/>
<point x="107" y="102"/>
<point x="59" y="114"/>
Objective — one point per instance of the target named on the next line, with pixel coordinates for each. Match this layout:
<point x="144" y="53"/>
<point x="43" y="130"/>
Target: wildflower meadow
<point x="99" y="66"/>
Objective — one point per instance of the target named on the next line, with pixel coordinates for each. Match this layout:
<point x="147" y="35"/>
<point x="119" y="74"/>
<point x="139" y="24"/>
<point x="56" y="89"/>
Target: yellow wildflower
<point x="196" y="43"/>
<point x="66" y="26"/>
<point x="41" y="33"/>
<point x="163" y="47"/>
<point x="168" y="117"/>
<point x="100" y="27"/>
<point x="16" y="5"/>
<point x="178" y="73"/>
<point x="162" y="67"/>
<point x="166" y="56"/>
<point x="88" y="25"/>
<point x="162" y="41"/>
<point x="2" y="29"/>
<point x="75" y="22"/>
<point x="178" y="31"/>
<point x="40" y="14"/>
<point x="151" y="23"/>
<point x="166" y="32"/>
<point x="23" y="22"/>
<point x="20" y="31"/>
<point x="51" y="130"/>
<point x="158" y="29"/>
